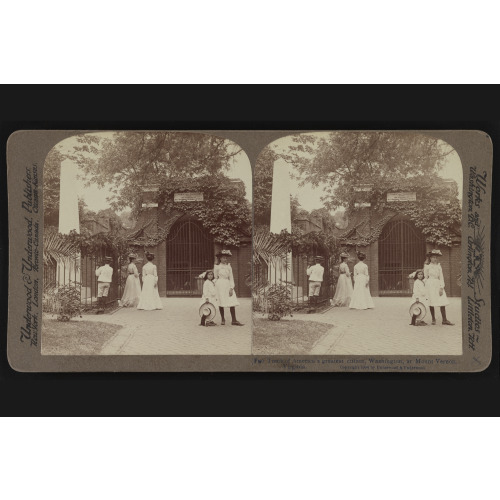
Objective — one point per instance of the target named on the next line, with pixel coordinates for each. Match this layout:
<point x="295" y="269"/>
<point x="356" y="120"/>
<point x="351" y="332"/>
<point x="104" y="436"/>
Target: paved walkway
<point x="385" y="330"/>
<point x="175" y="330"/>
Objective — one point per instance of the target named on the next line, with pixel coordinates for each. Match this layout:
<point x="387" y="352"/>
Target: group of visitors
<point x="428" y="288"/>
<point x="346" y="295"/>
<point x="218" y="287"/>
<point x="145" y="297"/>
<point x="218" y="290"/>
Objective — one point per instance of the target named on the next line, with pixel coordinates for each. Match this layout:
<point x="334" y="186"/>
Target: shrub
<point x="279" y="301"/>
<point x="63" y="301"/>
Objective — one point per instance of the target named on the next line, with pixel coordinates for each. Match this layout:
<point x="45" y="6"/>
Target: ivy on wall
<point x="224" y="212"/>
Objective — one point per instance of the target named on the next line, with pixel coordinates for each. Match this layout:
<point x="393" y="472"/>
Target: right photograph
<point x="357" y="245"/>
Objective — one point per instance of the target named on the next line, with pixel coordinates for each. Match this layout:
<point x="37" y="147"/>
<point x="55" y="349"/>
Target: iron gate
<point x="190" y="251"/>
<point x="401" y="250"/>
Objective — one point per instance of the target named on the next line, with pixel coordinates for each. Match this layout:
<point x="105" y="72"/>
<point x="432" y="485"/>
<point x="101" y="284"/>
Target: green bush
<point x="279" y="301"/>
<point x="63" y="301"/>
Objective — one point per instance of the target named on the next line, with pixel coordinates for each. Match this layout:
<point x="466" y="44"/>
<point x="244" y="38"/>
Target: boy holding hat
<point x="104" y="277"/>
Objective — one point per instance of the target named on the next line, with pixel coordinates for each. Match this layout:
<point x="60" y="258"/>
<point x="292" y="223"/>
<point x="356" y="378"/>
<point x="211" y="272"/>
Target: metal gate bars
<point x="401" y="250"/>
<point x="190" y="251"/>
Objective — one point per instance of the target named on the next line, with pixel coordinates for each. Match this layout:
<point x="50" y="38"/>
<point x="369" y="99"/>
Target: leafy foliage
<point x="63" y="301"/>
<point x="225" y="212"/>
<point x="383" y="162"/>
<point x="132" y="159"/>
<point x="279" y="298"/>
<point x="389" y="161"/>
<point x="94" y="244"/>
<point x="57" y="248"/>
<point x="51" y="183"/>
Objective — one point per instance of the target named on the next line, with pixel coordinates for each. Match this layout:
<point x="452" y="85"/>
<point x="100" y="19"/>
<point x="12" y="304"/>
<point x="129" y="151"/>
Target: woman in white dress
<point x="361" y="298"/>
<point x="343" y="291"/>
<point x="434" y="285"/>
<point x="150" y="298"/>
<point x="132" y="290"/>
<point x="224" y="287"/>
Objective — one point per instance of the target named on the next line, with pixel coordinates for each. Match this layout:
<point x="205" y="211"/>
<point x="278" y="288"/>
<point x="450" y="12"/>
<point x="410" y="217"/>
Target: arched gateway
<point x="401" y="250"/>
<point x="189" y="252"/>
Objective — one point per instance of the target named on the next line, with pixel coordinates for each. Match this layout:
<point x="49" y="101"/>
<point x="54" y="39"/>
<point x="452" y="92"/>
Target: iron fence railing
<point x="289" y="271"/>
<point x="78" y="273"/>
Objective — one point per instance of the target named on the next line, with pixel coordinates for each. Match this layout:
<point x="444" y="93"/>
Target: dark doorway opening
<point x="401" y="250"/>
<point x="190" y="251"/>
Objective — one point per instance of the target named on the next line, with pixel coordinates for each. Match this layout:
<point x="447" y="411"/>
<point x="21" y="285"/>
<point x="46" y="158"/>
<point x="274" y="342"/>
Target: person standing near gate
<point x="343" y="292"/>
<point x="224" y="287"/>
<point x="150" y="298"/>
<point x="361" y="297"/>
<point x="104" y="277"/>
<point x="315" y="273"/>
<point x="434" y="284"/>
<point x="132" y="290"/>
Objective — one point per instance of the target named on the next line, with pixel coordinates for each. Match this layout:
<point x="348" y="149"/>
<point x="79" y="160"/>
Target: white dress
<point x="210" y="293"/>
<point x="420" y="293"/>
<point x="343" y="291"/>
<point x="150" y="298"/>
<point x="132" y="290"/>
<point x="224" y="276"/>
<point x="433" y="282"/>
<point x="361" y="297"/>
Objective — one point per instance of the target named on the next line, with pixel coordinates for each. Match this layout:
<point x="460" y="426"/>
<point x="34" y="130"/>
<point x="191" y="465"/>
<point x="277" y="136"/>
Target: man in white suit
<point x="315" y="273"/>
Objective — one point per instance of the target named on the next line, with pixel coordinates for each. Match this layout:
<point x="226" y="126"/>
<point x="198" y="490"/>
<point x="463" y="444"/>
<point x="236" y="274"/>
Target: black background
<point x="254" y="107"/>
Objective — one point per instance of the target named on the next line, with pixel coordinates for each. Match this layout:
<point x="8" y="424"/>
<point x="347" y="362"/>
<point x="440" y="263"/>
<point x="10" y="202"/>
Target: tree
<point x="365" y="166"/>
<point x="51" y="183"/>
<point x="130" y="160"/>
<point x="387" y="161"/>
<point x="224" y="211"/>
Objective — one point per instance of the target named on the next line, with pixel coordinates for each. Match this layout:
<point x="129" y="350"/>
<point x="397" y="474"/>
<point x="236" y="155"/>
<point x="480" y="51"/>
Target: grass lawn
<point x="286" y="336"/>
<point x="75" y="337"/>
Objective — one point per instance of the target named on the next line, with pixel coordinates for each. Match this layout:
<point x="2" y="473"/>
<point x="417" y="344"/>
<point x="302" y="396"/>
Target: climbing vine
<point x="301" y="243"/>
<point x="92" y="244"/>
<point x="224" y="212"/>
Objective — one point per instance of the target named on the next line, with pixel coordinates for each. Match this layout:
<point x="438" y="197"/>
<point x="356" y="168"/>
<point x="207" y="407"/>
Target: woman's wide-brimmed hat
<point x="224" y="253"/>
<point x="207" y="309"/>
<point x="132" y="256"/>
<point x="344" y="255"/>
<point x="418" y="309"/>
<point x="435" y="252"/>
<point x="108" y="259"/>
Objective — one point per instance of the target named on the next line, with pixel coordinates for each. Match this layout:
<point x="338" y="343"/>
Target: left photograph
<point x="147" y="245"/>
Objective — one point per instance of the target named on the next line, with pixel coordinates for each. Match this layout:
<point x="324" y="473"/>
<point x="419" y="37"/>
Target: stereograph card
<point x="249" y="251"/>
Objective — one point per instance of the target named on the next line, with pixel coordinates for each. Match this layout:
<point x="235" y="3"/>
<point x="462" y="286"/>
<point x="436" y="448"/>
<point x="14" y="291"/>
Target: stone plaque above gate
<point x="402" y="196"/>
<point x="188" y="197"/>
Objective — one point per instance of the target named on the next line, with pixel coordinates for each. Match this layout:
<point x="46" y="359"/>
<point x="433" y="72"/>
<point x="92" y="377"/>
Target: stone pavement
<point x="386" y="330"/>
<point x="175" y="330"/>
